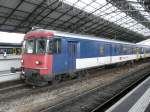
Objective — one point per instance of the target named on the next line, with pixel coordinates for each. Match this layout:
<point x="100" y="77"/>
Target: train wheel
<point x="57" y="79"/>
<point x="81" y="74"/>
<point x="54" y="82"/>
<point x="73" y="75"/>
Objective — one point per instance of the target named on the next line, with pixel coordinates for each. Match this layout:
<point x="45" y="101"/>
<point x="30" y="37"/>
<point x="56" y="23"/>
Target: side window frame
<point x="102" y="51"/>
<point x="56" y="46"/>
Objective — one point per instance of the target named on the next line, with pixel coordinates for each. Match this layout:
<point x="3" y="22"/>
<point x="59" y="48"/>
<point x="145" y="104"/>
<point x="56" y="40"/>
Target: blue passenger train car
<point x="52" y="53"/>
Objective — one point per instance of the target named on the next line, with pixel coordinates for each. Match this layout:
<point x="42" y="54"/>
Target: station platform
<point x="8" y="76"/>
<point x="137" y="100"/>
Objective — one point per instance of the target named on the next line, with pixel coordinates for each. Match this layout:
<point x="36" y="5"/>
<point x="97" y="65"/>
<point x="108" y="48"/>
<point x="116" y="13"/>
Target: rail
<point x="118" y="96"/>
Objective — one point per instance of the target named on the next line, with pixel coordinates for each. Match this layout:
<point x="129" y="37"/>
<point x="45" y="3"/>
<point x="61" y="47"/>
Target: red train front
<point x="36" y="58"/>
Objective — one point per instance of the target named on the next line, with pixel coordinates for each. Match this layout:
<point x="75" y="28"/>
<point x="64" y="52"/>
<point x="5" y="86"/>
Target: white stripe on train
<point x="99" y="61"/>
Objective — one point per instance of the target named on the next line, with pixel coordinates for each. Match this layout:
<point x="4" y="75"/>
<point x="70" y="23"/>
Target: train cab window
<point x="41" y="46"/>
<point x="29" y="46"/>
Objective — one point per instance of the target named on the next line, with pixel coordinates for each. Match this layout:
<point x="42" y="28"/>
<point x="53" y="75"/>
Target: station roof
<point x="126" y="20"/>
<point x="4" y="44"/>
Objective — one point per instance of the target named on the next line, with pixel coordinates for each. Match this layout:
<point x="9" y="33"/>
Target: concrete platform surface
<point x="138" y="100"/>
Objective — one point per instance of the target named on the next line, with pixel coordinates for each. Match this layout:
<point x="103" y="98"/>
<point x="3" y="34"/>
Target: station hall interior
<point x="74" y="55"/>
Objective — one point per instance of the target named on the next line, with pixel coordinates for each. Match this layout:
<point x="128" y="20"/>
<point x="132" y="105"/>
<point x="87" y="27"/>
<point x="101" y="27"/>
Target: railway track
<point x="25" y="91"/>
<point x="21" y="89"/>
<point x="78" y="103"/>
<point x="17" y="86"/>
<point x="12" y="89"/>
<point x="104" y="106"/>
<point x="12" y="85"/>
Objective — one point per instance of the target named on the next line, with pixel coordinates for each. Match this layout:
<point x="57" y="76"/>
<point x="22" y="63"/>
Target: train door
<point x="108" y="53"/>
<point x="72" y="54"/>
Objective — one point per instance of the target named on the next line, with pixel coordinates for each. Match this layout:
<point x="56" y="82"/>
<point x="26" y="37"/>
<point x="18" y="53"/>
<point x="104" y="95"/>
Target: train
<point x="48" y="54"/>
<point x="10" y="54"/>
<point x="10" y="49"/>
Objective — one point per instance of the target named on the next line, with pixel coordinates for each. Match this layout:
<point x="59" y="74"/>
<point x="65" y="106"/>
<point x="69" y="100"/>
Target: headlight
<point x="22" y="61"/>
<point x="37" y="62"/>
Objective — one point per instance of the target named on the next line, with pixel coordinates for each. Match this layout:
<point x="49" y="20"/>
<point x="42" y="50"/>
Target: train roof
<point x="89" y="37"/>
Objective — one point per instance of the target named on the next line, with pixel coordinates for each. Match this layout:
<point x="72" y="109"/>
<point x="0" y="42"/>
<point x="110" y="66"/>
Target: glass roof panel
<point x="89" y="9"/>
<point x="95" y="5"/>
<point x="80" y="5"/>
<point x="111" y="13"/>
<point x="140" y="8"/>
<point x="86" y="1"/>
<point x="102" y="2"/>
<point x="71" y="1"/>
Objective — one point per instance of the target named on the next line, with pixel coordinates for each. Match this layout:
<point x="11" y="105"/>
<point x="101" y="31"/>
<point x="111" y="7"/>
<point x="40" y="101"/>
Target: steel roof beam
<point x="39" y="14"/>
<point x="52" y="10"/>
<point x="21" y="1"/>
<point x="130" y="10"/>
<point x="30" y="14"/>
<point x="59" y="17"/>
<point x="83" y="18"/>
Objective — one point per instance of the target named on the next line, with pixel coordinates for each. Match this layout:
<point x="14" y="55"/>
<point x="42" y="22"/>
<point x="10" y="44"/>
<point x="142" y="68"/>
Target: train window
<point x="128" y="50"/>
<point x="115" y="49"/>
<point x="50" y="47"/>
<point x="137" y="50"/>
<point x="29" y="46"/>
<point x="41" y="46"/>
<point x="57" y="46"/>
<point x="14" y="51"/>
<point x="10" y="51"/>
<point x="124" y="50"/>
<point x="102" y="51"/>
<point x="2" y="50"/>
<point x="18" y="51"/>
<point x="134" y="50"/>
<point x="120" y="49"/>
